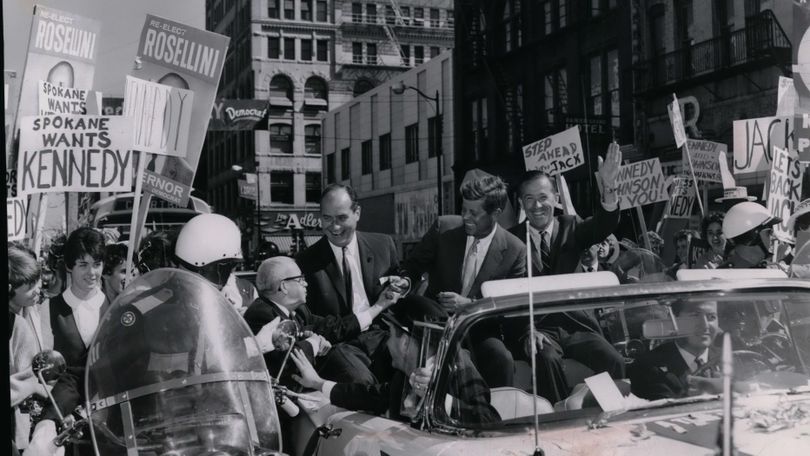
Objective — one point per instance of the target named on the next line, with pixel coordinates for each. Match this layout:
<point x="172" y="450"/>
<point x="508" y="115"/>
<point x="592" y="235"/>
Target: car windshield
<point x="652" y="347"/>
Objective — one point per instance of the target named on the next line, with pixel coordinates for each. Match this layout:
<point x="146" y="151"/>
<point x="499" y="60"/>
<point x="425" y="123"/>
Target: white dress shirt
<point x="690" y="358"/>
<point x="86" y="313"/>
<point x="360" y="303"/>
<point x="483" y="248"/>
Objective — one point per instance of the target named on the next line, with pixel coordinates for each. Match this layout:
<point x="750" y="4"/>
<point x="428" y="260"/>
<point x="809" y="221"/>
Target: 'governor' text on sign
<point x="62" y="153"/>
<point x="785" y="190"/>
<point x="555" y="154"/>
<point x="641" y="183"/>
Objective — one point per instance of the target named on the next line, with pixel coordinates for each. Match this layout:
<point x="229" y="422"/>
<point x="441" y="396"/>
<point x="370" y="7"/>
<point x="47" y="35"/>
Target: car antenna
<point x="532" y="331"/>
<point x="724" y="437"/>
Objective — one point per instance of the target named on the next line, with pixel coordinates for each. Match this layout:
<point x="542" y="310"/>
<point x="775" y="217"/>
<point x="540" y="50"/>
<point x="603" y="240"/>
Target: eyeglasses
<point x="299" y="278"/>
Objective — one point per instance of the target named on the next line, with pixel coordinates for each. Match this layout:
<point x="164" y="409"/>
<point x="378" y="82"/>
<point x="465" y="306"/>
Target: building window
<point x="406" y="55"/>
<point x="320" y="11"/>
<point x="289" y="48"/>
<point x="390" y="17"/>
<point x="272" y="9"/>
<point x="412" y="143"/>
<point x="281" y="187"/>
<point x="418" y="55"/>
<point x="419" y="17"/>
<point x="434" y="18"/>
<point x="555" y="92"/>
<point x="274" y="47"/>
<point x="312" y="139"/>
<point x="316" y="93"/>
<point x="371" y="53"/>
<point x="322" y="52"/>
<point x="345" y="163"/>
<point x="451" y="18"/>
<point x="306" y="50"/>
<point x="313" y="187"/>
<point x="434" y="135"/>
<point x="330" y="168"/>
<point x="306" y="10"/>
<point x="555" y="15"/>
<point x="366" y="157"/>
<point x="362" y="86"/>
<point x="281" y="139"/>
<point x="357" y="52"/>
<point x="357" y="13"/>
<point x="406" y="14"/>
<point x="371" y="13"/>
<point x="604" y="82"/>
<point x="480" y="124"/>
<point x="385" y="151"/>
<point x="281" y="87"/>
<point x="289" y="9"/>
<point x="434" y="51"/>
<point x="595" y="98"/>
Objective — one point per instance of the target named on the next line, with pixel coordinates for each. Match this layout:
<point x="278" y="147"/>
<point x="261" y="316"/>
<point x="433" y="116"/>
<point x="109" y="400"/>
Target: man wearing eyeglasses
<point x="283" y="294"/>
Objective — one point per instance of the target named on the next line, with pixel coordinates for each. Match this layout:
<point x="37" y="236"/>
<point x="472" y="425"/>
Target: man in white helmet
<point x="748" y="226"/>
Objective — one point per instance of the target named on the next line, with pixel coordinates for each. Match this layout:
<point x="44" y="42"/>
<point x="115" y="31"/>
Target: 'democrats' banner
<point x="72" y="153"/>
<point x="754" y="140"/>
<point x="641" y="183"/>
<point x="785" y="190"/>
<point x="238" y="115"/>
<point x="555" y="154"/>
<point x="62" y="51"/>
<point x="705" y="159"/>
<point x="188" y="58"/>
<point x="160" y="116"/>
<point x="801" y="76"/>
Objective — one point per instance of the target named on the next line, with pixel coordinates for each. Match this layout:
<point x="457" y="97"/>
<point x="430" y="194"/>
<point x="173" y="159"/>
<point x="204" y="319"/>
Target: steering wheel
<point x="752" y="363"/>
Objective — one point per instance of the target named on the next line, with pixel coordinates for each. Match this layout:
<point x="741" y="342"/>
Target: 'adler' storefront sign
<point x="297" y="221"/>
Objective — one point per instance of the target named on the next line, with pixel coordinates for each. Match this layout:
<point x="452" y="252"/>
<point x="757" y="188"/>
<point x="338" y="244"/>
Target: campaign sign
<point x="16" y="213"/>
<point x="785" y="190"/>
<point x="54" y="99"/>
<point x="754" y="140"/>
<point x="787" y="99"/>
<point x="676" y="120"/>
<point x="11" y="92"/>
<point x="705" y="157"/>
<point x="555" y="154"/>
<point x="801" y="76"/>
<point x="237" y="115"/>
<point x="72" y="153"/>
<point x="160" y="116"/>
<point x="641" y="183"/>
<point x="187" y="58"/>
<point x="682" y="197"/>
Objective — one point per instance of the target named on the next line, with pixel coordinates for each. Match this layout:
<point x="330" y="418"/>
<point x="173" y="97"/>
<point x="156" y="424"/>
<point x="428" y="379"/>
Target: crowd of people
<point x="355" y="301"/>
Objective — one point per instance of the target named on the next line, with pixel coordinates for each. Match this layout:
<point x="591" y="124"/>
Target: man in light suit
<point x="461" y="254"/>
<point x="343" y="271"/>
<point x="556" y="244"/>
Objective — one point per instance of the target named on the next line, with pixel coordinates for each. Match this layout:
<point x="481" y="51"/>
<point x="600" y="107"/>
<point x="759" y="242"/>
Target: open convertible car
<point x="655" y="406"/>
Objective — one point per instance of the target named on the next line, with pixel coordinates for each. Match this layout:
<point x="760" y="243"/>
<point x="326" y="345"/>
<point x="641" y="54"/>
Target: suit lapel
<point x="457" y="251"/>
<point x="332" y="270"/>
<point x="366" y="257"/>
<point x="491" y="261"/>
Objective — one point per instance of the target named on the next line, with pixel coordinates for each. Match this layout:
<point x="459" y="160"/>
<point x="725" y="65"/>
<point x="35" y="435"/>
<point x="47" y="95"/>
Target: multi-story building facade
<point x="387" y="145"/>
<point x="304" y="57"/>
<point x="526" y="70"/>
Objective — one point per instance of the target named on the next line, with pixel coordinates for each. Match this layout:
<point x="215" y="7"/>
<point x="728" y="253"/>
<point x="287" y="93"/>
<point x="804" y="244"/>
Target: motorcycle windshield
<point x="174" y="369"/>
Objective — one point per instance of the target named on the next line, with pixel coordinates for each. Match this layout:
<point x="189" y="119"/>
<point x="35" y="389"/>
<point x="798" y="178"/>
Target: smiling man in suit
<point x="343" y="271"/>
<point x="461" y="254"/>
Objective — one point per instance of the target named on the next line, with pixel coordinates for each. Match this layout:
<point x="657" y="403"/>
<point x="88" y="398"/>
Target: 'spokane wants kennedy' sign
<point x="74" y="153"/>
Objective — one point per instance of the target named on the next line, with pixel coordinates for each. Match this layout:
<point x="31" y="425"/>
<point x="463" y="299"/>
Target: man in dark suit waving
<point x="344" y="270"/>
<point x="556" y="244"/>
<point x="461" y="254"/>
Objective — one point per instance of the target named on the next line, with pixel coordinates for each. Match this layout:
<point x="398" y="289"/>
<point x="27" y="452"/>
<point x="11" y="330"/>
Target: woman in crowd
<point x="115" y="270"/>
<point x="23" y="291"/>
<point x="711" y="228"/>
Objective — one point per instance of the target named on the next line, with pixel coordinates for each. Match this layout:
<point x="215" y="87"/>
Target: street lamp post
<point x="399" y="88"/>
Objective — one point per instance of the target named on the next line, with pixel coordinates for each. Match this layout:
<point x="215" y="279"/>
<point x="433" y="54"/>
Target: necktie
<point x="468" y="274"/>
<point x="347" y="278"/>
<point x="544" y="252"/>
<point x="699" y="363"/>
<point x="590" y="269"/>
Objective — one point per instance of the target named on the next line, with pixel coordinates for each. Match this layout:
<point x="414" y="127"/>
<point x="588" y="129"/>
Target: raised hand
<point x="609" y="169"/>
